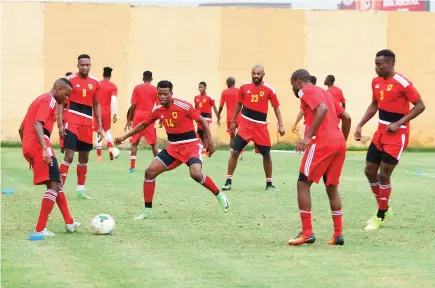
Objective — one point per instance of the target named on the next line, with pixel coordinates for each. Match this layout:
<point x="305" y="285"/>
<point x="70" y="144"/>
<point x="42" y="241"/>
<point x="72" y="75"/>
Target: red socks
<point x="375" y="190"/>
<point x="149" y="186"/>
<point x="384" y="196"/>
<point x="63" y="207"/>
<point x="46" y="208"/>
<point x="99" y="151"/>
<point x="307" y="227"/>
<point x="337" y="218"/>
<point x="132" y="162"/>
<point x="82" y="170"/>
<point x="109" y="145"/>
<point x="64" y="166"/>
<point x="209" y="184"/>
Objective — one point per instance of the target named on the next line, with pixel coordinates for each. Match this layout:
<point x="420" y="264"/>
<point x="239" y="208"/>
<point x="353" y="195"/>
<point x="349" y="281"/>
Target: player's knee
<point x="370" y="171"/>
<point x="150" y="173"/>
<point x="83" y="158"/>
<point x="235" y="153"/>
<point x="69" y="156"/>
<point x="384" y="177"/>
<point x="266" y="156"/>
<point x="196" y="175"/>
<point x="54" y="185"/>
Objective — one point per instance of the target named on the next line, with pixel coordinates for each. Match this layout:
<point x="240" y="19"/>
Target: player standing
<point x="35" y="131"/>
<point x="392" y="94"/>
<point x="324" y="148"/>
<point x="336" y="92"/>
<point x="204" y="103"/>
<point x="229" y="98"/>
<point x="301" y="115"/>
<point x="143" y="100"/>
<point x="107" y="96"/>
<point x="255" y="97"/>
<point x="78" y="127"/>
<point x="184" y="146"/>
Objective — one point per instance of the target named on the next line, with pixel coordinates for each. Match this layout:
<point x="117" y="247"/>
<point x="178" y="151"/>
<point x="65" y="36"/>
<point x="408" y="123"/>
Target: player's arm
<point x="221" y="105"/>
<point x="207" y="133"/>
<point x="43" y="113"/>
<point x="216" y="112"/>
<point x="97" y="109"/>
<point x="139" y="128"/>
<point x="298" y="119"/>
<point x="345" y="119"/>
<point x="414" y="97"/>
<point x="275" y="105"/>
<point x="370" y="112"/>
<point x="236" y="111"/>
<point x="21" y="131"/>
<point x="319" y="115"/>
<point x="59" y="120"/>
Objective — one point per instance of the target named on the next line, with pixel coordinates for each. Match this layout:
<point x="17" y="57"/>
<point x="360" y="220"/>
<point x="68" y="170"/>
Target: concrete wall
<point x="190" y="44"/>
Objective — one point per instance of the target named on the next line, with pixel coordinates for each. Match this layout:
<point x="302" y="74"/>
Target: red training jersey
<point x="393" y="96"/>
<point x="255" y="100"/>
<point x="336" y="93"/>
<point x="229" y="97"/>
<point x="81" y="99"/>
<point x="145" y="98"/>
<point x="42" y="109"/>
<point x="105" y="93"/>
<point x="204" y="103"/>
<point x="177" y="120"/>
<point x="311" y="97"/>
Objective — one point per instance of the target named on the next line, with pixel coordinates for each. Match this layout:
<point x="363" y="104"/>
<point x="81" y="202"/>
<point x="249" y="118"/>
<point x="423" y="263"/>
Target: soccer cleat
<point x="302" y="239"/>
<point x="336" y="240"/>
<point x="110" y="153"/>
<point x="45" y="233"/>
<point x="72" y="227"/>
<point x="130" y="170"/>
<point x="374" y="223"/>
<point x="227" y="185"/>
<point x="270" y="187"/>
<point x="388" y="215"/>
<point x="147" y="213"/>
<point x="82" y="195"/>
<point x="223" y="201"/>
<point x="241" y="157"/>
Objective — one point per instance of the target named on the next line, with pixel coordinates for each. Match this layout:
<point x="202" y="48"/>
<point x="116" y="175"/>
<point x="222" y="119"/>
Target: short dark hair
<point x="203" y="84"/>
<point x="331" y="78"/>
<point x="107" y="72"/>
<point x="68" y="73"/>
<point x="165" y="84"/>
<point x="387" y="54"/>
<point x="231" y="81"/>
<point x="67" y="82"/>
<point x="301" y="74"/>
<point x="147" y="75"/>
<point x="84" y="56"/>
<point x="313" y="79"/>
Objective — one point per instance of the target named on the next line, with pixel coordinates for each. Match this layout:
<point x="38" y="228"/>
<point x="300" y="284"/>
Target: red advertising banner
<point x="384" y="5"/>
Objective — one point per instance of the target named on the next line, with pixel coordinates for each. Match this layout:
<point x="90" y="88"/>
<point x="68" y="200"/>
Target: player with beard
<point x="254" y="97"/>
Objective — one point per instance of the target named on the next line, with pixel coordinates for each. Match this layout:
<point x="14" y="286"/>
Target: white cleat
<point x="223" y="201"/>
<point x="45" y="233"/>
<point x="72" y="227"/>
<point x="147" y="214"/>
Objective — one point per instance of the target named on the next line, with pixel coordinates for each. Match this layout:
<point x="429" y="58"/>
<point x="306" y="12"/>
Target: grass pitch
<point x="192" y="243"/>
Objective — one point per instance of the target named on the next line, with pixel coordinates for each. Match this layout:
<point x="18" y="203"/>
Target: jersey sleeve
<point x="211" y="100"/>
<point x="152" y="117"/>
<point x="342" y="99"/>
<point x="193" y="113"/>
<point x="411" y="93"/>
<point x="45" y="109"/>
<point x="195" y="102"/>
<point x="373" y="90"/>
<point x="134" y="97"/>
<point x="273" y="99"/>
<point x="240" y="96"/>
<point x="309" y="98"/>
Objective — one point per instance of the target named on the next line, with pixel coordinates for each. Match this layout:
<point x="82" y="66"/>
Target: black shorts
<point x="374" y="155"/>
<point x="172" y="162"/>
<point x="74" y="139"/>
<point x="240" y="144"/>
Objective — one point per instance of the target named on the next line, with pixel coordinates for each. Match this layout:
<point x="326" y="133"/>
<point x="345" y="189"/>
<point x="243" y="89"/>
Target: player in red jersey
<point x="177" y="117"/>
<point x="392" y="94"/>
<point x="35" y="131"/>
<point x="107" y="96"/>
<point x="78" y="127"/>
<point x="254" y="97"/>
<point x="301" y="115"/>
<point x="336" y="92"/>
<point x="204" y="103"/>
<point x="324" y="148"/>
<point x="229" y="97"/>
<point x="143" y="100"/>
<point x="65" y="107"/>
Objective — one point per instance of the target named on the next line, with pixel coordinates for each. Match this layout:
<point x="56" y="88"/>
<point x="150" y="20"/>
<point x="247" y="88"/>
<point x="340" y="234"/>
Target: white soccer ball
<point x="115" y="152"/>
<point x="103" y="224"/>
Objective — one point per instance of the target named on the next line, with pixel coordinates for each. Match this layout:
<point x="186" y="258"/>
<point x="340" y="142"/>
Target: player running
<point x="324" y="148"/>
<point x="107" y="96"/>
<point x="301" y="115"/>
<point x="392" y="94"/>
<point x="204" y="103"/>
<point x="143" y="100"/>
<point x="35" y="131"/>
<point x="255" y="97"/>
<point x="78" y="127"/>
<point x="334" y="90"/>
<point x="184" y="146"/>
<point x="229" y="97"/>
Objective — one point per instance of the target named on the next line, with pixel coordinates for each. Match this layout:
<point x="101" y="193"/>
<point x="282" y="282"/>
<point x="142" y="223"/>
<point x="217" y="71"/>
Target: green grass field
<point x="192" y="243"/>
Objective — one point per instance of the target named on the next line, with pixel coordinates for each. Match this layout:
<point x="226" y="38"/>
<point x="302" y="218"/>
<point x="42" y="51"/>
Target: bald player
<point x="254" y="96"/>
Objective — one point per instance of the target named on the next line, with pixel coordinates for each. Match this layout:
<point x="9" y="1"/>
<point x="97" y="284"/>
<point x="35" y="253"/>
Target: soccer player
<point x="83" y="103"/>
<point x="35" y="131"/>
<point x="301" y="114"/>
<point x="324" y="148"/>
<point x="143" y="100"/>
<point x="392" y="94"/>
<point x="107" y="96"/>
<point x="184" y="146"/>
<point x="204" y="103"/>
<point x="229" y="97"/>
<point x="255" y="97"/>
<point x="65" y="107"/>
<point x="334" y="90"/>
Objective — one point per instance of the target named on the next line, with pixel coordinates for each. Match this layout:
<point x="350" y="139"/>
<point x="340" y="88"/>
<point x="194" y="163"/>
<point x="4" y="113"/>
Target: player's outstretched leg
<point x="133" y="153"/>
<point x="109" y="142"/>
<point x="337" y="215"/>
<point x="304" y="201"/>
<point x="195" y="170"/>
<point x="384" y="212"/>
<point x="66" y="163"/>
<point x="82" y="171"/>
<point x="99" y="148"/>
<point x="70" y="224"/>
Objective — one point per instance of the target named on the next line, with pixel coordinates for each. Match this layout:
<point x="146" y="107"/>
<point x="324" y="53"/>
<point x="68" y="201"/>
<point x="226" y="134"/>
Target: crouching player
<point x="35" y="132"/>
<point x="177" y="117"/>
<point x="324" y="148"/>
